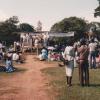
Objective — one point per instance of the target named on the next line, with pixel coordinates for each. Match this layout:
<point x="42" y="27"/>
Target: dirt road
<point x="26" y="84"/>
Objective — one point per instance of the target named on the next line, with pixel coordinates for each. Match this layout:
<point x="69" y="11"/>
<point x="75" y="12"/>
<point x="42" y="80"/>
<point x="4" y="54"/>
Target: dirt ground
<point x="26" y="84"/>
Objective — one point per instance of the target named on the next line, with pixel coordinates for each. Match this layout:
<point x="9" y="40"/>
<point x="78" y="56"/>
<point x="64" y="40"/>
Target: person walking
<point x="83" y="52"/>
<point x="69" y="54"/>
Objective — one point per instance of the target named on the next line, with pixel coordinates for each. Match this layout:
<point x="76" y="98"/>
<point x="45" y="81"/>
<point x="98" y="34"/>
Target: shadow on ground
<point x="17" y="70"/>
<point x="94" y="85"/>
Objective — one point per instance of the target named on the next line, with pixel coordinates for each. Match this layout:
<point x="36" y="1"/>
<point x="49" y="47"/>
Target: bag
<point x="66" y="62"/>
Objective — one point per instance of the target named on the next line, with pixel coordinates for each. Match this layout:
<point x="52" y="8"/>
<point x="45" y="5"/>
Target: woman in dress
<point x="44" y="54"/>
<point x="9" y="65"/>
<point x="69" y="54"/>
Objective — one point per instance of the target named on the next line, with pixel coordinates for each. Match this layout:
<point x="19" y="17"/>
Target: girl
<point x="9" y="66"/>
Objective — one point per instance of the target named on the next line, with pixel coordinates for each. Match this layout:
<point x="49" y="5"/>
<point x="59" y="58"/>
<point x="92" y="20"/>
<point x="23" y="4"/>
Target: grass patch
<point x="57" y="84"/>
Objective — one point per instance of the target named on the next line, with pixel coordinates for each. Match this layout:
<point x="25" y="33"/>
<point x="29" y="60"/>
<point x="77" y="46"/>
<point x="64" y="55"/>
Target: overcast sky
<point x="47" y="11"/>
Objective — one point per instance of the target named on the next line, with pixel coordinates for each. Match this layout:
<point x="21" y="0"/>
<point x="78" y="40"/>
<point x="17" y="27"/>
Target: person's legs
<point x="87" y="76"/>
<point x="71" y="65"/>
<point x="86" y="73"/>
<point x="69" y="71"/>
<point x="81" y="74"/>
<point x="67" y="78"/>
<point x="94" y="60"/>
<point x="91" y="56"/>
<point x="70" y="81"/>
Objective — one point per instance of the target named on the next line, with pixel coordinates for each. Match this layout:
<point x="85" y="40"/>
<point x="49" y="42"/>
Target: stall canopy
<point x="68" y="34"/>
<point x="50" y="34"/>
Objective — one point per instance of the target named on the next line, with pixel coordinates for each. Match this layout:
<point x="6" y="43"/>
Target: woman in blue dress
<point x="9" y="65"/>
<point x="44" y="54"/>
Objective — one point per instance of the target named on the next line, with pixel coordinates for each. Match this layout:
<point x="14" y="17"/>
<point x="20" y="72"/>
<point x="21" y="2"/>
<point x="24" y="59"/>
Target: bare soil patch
<point x="27" y="83"/>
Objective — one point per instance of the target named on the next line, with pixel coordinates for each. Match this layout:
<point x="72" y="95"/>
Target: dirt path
<point x="26" y="85"/>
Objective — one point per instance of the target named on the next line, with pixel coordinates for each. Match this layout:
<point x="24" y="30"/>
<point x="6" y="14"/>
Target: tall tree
<point x="93" y="30"/>
<point x="97" y="10"/>
<point x="12" y="20"/>
<point x="9" y="26"/>
<point x="25" y="27"/>
<point x="8" y="30"/>
<point x="71" y="24"/>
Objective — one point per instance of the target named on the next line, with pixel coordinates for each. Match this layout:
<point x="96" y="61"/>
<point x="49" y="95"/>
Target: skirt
<point x="69" y="68"/>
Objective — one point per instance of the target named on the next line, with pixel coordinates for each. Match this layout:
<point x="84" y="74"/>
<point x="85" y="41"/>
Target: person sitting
<point x="21" y="57"/>
<point x="44" y="54"/>
<point x="11" y="48"/>
<point x="9" y="65"/>
<point x="15" y="57"/>
<point x="9" y="54"/>
<point x="55" y="56"/>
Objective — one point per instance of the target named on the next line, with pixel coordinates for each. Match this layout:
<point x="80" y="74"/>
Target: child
<point x="9" y="66"/>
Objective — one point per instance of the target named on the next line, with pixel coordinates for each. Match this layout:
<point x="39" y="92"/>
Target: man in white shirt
<point x="92" y="50"/>
<point x="36" y="43"/>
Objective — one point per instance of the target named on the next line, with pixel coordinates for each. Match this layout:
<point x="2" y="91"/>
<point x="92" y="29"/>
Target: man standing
<point x="92" y="49"/>
<point x="83" y="51"/>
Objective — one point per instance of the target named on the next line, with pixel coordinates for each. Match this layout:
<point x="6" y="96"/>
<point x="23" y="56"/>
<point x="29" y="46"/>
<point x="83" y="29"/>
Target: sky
<point x="47" y="11"/>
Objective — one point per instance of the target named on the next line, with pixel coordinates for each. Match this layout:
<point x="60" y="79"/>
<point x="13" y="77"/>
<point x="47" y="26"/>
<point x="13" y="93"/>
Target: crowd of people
<point x="84" y="54"/>
<point x="10" y="55"/>
<point x="30" y="40"/>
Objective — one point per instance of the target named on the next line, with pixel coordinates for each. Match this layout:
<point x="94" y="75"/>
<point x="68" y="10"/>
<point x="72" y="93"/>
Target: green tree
<point x="95" y="27"/>
<point x="8" y="30"/>
<point x="25" y="27"/>
<point x="12" y="20"/>
<point x="71" y="24"/>
<point x="97" y="10"/>
<point x="9" y="26"/>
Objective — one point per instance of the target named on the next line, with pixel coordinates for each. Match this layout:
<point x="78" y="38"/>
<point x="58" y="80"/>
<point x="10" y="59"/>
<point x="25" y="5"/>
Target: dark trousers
<point x="93" y="59"/>
<point x="84" y="72"/>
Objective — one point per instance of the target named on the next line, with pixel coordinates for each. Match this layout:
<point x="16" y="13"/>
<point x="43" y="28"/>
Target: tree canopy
<point x="97" y="10"/>
<point x="78" y="25"/>
<point x="24" y="27"/>
<point x="96" y="29"/>
<point x="10" y="28"/>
